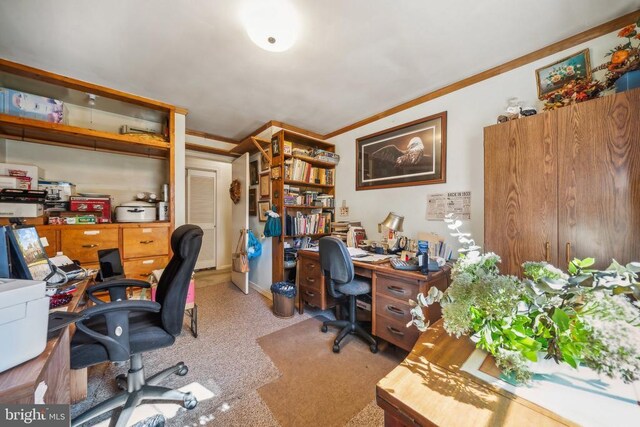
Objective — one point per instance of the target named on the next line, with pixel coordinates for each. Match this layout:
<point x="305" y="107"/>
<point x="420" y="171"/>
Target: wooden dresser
<point x="391" y="291"/>
<point x="144" y="247"/>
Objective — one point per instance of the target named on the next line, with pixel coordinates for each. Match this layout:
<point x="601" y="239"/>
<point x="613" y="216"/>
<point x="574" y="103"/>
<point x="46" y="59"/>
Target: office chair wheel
<point x="121" y="381"/>
<point x="336" y="348"/>
<point x="373" y="348"/>
<point x="324" y="328"/>
<point x="183" y="371"/>
<point x="189" y="401"/>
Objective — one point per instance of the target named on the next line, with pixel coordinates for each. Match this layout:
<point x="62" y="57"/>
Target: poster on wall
<point x="441" y="204"/>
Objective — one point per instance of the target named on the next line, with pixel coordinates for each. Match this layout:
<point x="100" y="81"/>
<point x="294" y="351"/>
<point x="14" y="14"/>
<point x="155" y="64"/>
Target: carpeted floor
<point x="228" y="360"/>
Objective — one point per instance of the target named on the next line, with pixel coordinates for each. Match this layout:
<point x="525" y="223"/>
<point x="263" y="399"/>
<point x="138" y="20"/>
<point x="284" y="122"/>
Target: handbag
<point x="240" y="260"/>
<point x="254" y="248"/>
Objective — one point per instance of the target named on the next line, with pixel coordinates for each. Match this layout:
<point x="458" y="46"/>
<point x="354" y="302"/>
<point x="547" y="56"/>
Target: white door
<point x="240" y="214"/>
<point x="201" y="211"/>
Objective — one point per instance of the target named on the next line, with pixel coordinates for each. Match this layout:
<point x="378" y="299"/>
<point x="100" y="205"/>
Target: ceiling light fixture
<point x="271" y="24"/>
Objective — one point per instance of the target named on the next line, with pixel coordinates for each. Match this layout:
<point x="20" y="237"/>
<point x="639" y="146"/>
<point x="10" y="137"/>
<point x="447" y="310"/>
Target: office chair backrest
<point x="173" y="285"/>
<point x="335" y="260"/>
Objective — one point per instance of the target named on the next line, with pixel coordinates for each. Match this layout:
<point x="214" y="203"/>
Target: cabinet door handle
<point x="396" y="290"/>
<point x="311" y="279"/>
<point x="568" y="250"/>
<point x="311" y="294"/>
<point x="93" y="245"/>
<point x="145" y="274"/>
<point x="310" y="265"/>
<point x="146" y="242"/>
<point x="547" y="252"/>
<point x="395" y="310"/>
<point x="394" y="331"/>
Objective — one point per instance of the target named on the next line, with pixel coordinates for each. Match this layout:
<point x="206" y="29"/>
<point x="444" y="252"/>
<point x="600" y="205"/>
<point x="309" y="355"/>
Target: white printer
<point x="24" y="318"/>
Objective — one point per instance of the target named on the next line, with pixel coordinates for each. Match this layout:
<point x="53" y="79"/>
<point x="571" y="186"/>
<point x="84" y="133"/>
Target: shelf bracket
<point x="257" y="142"/>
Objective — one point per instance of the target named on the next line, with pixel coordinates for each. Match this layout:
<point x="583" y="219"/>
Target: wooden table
<point x="391" y="291"/>
<point x="428" y="389"/>
<point x="18" y="384"/>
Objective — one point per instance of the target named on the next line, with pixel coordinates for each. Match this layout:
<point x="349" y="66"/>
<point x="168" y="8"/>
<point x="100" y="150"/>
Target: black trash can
<point x="283" y="299"/>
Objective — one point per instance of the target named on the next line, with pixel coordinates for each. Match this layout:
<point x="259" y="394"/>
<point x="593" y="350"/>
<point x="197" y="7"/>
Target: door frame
<point x="215" y="208"/>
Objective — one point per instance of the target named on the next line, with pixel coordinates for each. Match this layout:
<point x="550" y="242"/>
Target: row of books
<point x="309" y="198"/>
<point x="299" y="170"/>
<point x="313" y="223"/>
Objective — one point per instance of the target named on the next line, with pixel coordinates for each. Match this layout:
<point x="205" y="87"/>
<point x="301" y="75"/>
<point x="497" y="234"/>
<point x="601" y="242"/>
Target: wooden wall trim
<point x="211" y="136"/>
<point x="182" y="110"/>
<point x="297" y="130"/>
<point x="551" y="49"/>
<point x="210" y="150"/>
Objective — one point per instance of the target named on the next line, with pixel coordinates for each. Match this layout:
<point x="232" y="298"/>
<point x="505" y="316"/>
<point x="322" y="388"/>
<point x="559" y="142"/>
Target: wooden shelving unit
<point x="278" y="190"/>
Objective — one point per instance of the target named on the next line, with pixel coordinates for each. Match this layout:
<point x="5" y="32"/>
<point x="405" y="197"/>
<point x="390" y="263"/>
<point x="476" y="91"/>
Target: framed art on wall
<point x="263" y="207"/>
<point x="265" y="186"/>
<point x="275" y="146"/>
<point x="413" y="153"/>
<point x="253" y="200"/>
<point x="264" y="164"/>
<point x="253" y="173"/>
<point x="556" y="75"/>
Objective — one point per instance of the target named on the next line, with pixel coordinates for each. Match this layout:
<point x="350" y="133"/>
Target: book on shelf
<point x="288" y="147"/>
<point x="307" y="198"/>
<point x="299" y="170"/>
<point x="315" y="222"/>
<point x="340" y="229"/>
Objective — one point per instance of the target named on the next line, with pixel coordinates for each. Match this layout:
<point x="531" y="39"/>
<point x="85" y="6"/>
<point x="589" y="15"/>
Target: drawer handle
<point x="311" y="294"/>
<point x="93" y="245"/>
<point x="144" y="274"/>
<point x="146" y="242"/>
<point x="310" y="265"/>
<point x="395" y="331"/>
<point x="396" y="290"/>
<point x="311" y="279"/>
<point x="395" y="310"/>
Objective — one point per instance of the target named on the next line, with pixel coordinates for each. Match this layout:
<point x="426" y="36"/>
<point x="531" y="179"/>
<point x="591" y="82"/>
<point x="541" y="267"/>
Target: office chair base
<point x="138" y="389"/>
<point x="348" y="328"/>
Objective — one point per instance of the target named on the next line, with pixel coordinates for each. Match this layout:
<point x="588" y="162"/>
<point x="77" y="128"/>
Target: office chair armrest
<point x="116" y="315"/>
<point x="116" y="288"/>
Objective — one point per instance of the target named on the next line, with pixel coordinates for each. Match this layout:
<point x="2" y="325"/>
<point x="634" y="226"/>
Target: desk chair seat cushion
<point x="145" y="332"/>
<point x="355" y="287"/>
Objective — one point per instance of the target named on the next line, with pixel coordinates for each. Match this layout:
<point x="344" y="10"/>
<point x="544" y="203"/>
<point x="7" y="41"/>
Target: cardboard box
<point x="23" y="104"/>
<point x="100" y="206"/>
<point x="27" y="210"/>
<point x="57" y="191"/>
<point x="33" y="172"/>
<point x="8" y="182"/>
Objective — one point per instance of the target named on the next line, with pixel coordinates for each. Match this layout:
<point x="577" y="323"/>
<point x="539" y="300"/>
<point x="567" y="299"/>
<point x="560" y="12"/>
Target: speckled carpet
<point x="226" y="360"/>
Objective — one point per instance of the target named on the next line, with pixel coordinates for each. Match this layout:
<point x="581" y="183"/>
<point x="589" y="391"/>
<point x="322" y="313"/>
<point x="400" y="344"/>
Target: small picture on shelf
<point x="288" y="147"/>
<point x="263" y="207"/>
<point x="253" y="173"/>
<point x="275" y="172"/>
<point x="275" y="146"/>
<point x="253" y="200"/>
<point x="265" y="186"/>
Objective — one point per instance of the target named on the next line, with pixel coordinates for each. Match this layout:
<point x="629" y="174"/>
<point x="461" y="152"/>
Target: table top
<point x="428" y="388"/>
<point x="27" y="372"/>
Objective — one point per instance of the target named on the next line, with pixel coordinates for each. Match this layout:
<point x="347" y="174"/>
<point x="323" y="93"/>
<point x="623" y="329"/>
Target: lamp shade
<point x="393" y="221"/>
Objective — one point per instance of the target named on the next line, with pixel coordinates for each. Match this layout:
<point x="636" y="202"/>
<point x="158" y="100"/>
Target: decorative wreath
<point x="235" y="190"/>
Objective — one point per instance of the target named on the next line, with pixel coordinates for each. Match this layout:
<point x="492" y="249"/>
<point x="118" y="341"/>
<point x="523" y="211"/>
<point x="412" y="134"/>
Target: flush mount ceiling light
<point x="271" y="24"/>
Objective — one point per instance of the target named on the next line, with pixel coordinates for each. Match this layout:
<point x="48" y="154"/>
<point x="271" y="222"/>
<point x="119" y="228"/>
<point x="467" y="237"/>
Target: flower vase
<point x="627" y="81"/>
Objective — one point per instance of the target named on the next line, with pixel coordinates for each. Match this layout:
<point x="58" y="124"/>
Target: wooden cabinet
<point x="311" y="285"/>
<point x="142" y="268"/>
<point x="565" y="184"/>
<point x="83" y="244"/>
<point x="144" y="242"/>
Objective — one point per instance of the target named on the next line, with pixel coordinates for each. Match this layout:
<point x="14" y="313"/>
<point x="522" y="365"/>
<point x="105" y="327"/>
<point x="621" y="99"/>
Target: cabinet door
<point x="599" y="180"/>
<point x="520" y="204"/>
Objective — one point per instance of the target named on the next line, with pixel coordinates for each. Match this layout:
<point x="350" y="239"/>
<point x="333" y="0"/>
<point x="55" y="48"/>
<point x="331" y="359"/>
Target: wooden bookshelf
<point x="311" y="160"/>
<point x="307" y="184"/>
<point x="308" y="207"/>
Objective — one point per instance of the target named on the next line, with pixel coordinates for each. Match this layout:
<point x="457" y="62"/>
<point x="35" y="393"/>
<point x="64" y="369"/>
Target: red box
<point x="90" y="204"/>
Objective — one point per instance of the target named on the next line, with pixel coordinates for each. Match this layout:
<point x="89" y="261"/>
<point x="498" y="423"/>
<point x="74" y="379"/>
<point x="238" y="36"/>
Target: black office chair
<point x="123" y="329"/>
<point x="341" y="282"/>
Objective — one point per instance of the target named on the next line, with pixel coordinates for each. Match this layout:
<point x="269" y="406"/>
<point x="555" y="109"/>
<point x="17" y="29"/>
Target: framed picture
<point x="554" y="76"/>
<point x="265" y="186"/>
<point x="275" y="172"/>
<point x="414" y="153"/>
<point x="253" y="173"/>
<point x="275" y="146"/>
<point x="253" y="200"/>
<point x="264" y="164"/>
<point x="263" y="207"/>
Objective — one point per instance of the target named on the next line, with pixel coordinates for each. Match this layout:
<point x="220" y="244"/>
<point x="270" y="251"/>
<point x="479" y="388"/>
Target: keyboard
<point x="398" y="264"/>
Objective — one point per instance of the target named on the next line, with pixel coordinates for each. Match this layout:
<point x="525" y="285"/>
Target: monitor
<point x="110" y="264"/>
<point x="28" y="257"/>
<point x="5" y="272"/>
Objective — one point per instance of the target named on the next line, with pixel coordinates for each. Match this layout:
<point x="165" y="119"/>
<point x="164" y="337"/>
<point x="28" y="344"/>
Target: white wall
<point x="260" y="268"/>
<point x="222" y="167"/>
<point x="469" y="110"/>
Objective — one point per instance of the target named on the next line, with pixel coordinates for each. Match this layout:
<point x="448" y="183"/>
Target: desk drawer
<point x="310" y="274"/>
<point x="141" y="268"/>
<point x="83" y="244"/>
<point x="396" y="332"/>
<point x="145" y="242"/>
<point x="393" y="308"/>
<point x="311" y="296"/>
<point x="396" y="288"/>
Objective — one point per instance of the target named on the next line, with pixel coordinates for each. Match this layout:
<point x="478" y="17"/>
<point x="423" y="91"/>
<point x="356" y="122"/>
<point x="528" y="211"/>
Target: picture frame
<point x="263" y="207"/>
<point x="264" y="164"/>
<point x="554" y="76"/>
<point x="275" y="173"/>
<point x="410" y="154"/>
<point x="253" y="201"/>
<point x="265" y="186"/>
<point x="275" y="146"/>
<point x="253" y="172"/>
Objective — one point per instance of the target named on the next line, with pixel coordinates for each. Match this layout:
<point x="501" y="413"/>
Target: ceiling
<point x="354" y="58"/>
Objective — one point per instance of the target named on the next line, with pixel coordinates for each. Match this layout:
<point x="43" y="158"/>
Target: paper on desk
<point x="374" y="258"/>
<point x="357" y="252"/>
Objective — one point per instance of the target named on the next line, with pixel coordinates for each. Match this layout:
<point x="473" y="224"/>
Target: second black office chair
<point x="341" y="282"/>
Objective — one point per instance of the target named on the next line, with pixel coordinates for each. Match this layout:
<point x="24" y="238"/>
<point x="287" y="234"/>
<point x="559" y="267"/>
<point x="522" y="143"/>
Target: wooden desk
<point x="428" y="389"/>
<point x="391" y="291"/>
<point x="18" y="384"/>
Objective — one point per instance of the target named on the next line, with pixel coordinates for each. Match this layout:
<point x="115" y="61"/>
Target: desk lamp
<point x="393" y="222"/>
